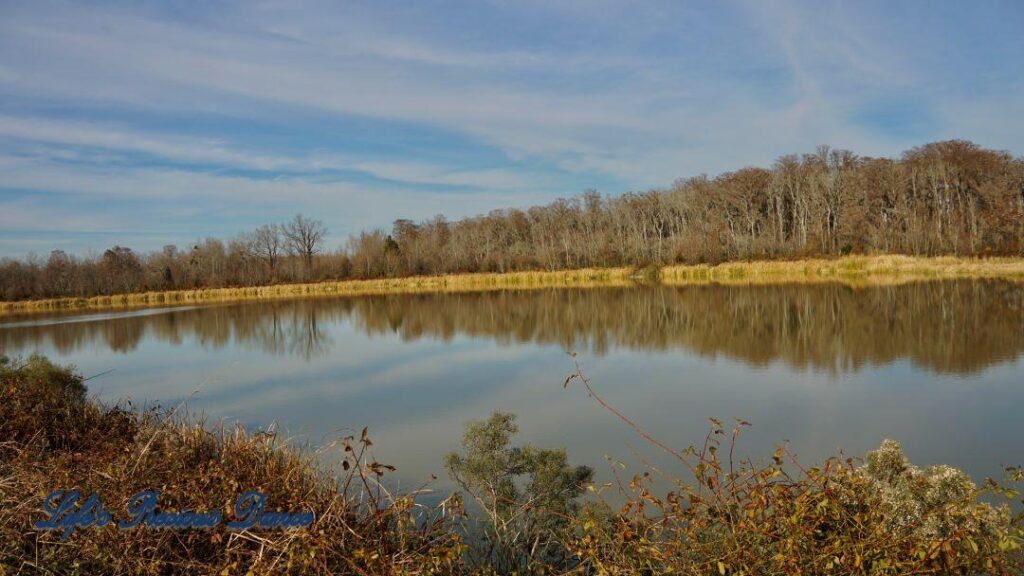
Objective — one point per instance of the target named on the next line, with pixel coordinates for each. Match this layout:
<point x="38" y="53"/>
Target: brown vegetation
<point x="52" y="437"/>
<point x="848" y="270"/>
<point x="885" y="517"/>
<point x="730" y="517"/>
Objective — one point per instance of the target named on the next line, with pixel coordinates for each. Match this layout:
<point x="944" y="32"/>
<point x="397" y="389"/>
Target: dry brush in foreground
<point x="883" y="516"/>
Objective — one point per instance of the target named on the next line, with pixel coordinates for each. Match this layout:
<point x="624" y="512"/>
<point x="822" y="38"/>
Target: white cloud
<point x="115" y="137"/>
<point x="569" y="92"/>
<point x="129" y="204"/>
<point x="211" y="152"/>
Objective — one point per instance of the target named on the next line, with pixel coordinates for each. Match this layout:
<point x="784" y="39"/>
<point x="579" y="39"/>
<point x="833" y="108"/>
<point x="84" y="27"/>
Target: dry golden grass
<point x="858" y="270"/>
<point x="875" y="270"/>
<point x="56" y="437"/>
<point x="417" y="284"/>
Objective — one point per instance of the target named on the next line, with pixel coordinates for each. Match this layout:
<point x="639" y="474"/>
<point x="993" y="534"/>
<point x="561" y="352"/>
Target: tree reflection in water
<point x="957" y="327"/>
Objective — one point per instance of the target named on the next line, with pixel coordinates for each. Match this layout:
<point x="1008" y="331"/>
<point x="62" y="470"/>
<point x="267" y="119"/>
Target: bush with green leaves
<point x="528" y="496"/>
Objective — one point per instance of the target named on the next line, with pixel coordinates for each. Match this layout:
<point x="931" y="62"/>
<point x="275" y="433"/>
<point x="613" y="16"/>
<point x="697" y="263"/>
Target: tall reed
<point x="853" y="270"/>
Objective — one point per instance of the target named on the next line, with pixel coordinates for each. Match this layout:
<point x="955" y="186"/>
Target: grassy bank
<point x="885" y="517"/>
<point x="52" y="437"/>
<point x="857" y="270"/>
<point x="412" y="285"/>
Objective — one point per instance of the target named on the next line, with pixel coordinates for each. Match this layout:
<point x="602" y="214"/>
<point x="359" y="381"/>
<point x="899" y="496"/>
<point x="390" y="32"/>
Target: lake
<point x="935" y="365"/>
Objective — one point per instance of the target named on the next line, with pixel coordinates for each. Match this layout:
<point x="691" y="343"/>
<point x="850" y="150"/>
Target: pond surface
<point x="934" y="365"/>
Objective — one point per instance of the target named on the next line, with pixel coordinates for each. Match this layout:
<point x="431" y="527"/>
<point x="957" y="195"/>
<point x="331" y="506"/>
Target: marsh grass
<point x="852" y="270"/>
<point x="412" y="285"/>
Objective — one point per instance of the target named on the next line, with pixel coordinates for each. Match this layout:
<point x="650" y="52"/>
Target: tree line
<point x="952" y="197"/>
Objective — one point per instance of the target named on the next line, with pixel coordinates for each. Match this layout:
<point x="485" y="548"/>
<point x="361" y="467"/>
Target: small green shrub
<point x="527" y="494"/>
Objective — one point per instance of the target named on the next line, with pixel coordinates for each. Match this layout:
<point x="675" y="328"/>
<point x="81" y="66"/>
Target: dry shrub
<point x="56" y="438"/>
<point x="883" y="517"/>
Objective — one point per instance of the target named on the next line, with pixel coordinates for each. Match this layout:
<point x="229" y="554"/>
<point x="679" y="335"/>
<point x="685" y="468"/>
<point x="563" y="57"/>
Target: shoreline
<point x="848" y="270"/>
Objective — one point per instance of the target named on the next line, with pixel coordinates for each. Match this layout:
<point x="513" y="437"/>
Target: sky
<point x="147" y="123"/>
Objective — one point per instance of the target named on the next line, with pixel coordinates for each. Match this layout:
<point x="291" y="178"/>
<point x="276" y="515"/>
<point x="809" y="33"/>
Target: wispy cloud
<point x="61" y="140"/>
<point x="362" y="112"/>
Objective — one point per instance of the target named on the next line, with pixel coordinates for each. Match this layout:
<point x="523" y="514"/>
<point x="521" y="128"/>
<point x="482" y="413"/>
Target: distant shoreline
<point x="850" y="270"/>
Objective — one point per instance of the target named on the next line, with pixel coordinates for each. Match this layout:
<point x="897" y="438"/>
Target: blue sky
<point x="148" y="123"/>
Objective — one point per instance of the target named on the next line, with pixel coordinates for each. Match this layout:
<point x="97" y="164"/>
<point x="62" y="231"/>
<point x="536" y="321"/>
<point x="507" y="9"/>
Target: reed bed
<point x="887" y="269"/>
<point x="589" y="277"/>
<point x="854" y="270"/>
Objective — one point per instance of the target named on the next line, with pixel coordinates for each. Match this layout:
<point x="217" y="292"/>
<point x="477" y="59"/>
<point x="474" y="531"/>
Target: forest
<point x="943" y="198"/>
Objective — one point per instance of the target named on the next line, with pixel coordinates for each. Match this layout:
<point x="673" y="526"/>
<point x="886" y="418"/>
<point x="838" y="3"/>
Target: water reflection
<point x="935" y="365"/>
<point x="957" y="327"/>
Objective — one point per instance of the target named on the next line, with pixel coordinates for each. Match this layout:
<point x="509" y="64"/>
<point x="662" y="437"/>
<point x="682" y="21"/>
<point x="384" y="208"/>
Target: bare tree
<point x="267" y="244"/>
<point x="304" y="236"/>
<point x="122" y="271"/>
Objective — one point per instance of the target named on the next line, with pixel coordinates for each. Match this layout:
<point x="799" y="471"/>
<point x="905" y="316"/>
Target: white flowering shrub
<point x="933" y="503"/>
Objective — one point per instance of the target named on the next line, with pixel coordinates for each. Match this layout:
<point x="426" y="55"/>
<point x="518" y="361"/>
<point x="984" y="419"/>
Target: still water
<point x="937" y="366"/>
